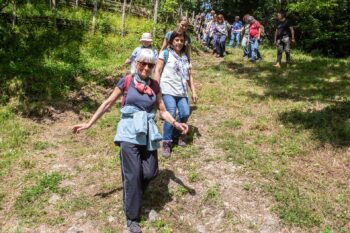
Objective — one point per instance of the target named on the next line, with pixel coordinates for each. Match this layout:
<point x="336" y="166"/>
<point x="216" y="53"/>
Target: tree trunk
<point x="76" y="3"/>
<point x="130" y="6"/>
<point x="94" y="16"/>
<point x="53" y="8"/>
<point x="155" y="17"/>
<point x="123" y="18"/>
<point x="14" y="13"/>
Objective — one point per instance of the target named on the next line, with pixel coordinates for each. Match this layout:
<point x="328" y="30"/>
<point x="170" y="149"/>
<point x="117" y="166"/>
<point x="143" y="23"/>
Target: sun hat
<point x="146" y="37"/>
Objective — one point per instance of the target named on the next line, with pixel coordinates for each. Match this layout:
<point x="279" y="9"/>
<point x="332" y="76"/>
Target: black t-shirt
<point x="283" y="29"/>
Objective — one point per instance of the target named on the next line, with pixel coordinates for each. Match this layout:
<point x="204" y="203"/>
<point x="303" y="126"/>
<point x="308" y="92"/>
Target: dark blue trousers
<point x="139" y="167"/>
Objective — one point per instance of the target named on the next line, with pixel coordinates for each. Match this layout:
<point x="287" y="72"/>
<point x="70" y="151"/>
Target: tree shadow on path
<point x="312" y="80"/>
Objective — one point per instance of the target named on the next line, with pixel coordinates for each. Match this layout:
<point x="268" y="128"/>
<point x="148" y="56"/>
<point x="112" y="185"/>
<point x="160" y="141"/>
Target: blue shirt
<point x="208" y="17"/>
<point x="142" y="101"/>
<point x="237" y="25"/>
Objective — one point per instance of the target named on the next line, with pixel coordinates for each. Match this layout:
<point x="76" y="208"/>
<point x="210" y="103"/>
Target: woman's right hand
<point x="79" y="127"/>
<point x="182" y="127"/>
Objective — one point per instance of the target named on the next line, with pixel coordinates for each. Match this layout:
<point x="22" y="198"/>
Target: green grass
<point x="13" y="136"/>
<point x="212" y="194"/>
<point x="31" y="204"/>
<point x="280" y="120"/>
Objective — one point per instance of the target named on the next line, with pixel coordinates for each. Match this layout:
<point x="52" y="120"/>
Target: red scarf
<point x="143" y="87"/>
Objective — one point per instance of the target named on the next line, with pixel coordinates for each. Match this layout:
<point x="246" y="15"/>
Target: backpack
<point x="166" y="55"/>
<point x="154" y="85"/>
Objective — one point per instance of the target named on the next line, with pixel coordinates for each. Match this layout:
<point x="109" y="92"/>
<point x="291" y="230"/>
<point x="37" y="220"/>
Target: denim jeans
<point x="235" y="36"/>
<point x="208" y="40"/>
<point x="245" y="46"/>
<point x="220" y="44"/>
<point x="173" y="103"/>
<point x="254" y="49"/>
<point x="283" y="45"/>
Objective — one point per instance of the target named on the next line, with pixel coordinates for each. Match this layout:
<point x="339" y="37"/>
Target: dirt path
<point x="199" y="190"/>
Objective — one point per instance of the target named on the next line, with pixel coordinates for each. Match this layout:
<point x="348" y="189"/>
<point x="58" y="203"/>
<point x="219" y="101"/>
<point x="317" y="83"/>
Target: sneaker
<point x="134" y="227"/>
<point x="277" y="65"/>
<point x="166" y="149"/>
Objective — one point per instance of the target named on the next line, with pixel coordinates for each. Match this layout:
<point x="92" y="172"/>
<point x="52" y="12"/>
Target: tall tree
<point x="155" y="17"/>
<point x="14" y="6"/>
<point x="123" y="18"/>
<point x="94" y="16"/>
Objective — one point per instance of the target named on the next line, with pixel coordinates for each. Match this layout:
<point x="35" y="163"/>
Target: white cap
<point x="146" y="37"/>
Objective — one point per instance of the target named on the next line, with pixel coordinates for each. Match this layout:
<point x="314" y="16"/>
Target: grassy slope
<point x="290" y="126"/>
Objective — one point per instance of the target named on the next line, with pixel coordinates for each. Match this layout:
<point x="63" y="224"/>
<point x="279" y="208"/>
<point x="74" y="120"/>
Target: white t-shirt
<point x="171" y="83"/>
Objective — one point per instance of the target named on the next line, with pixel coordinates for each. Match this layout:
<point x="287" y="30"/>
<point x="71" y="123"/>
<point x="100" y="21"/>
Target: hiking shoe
<point x="134" y="227"/>
<point x="166" y="149"/>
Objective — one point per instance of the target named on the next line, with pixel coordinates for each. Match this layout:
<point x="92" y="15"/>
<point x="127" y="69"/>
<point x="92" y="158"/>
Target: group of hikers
<point x="213" y="31"/>
<point x="161" y="81"/>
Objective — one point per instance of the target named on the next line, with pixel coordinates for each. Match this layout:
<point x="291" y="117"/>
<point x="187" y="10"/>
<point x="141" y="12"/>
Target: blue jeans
<point x="173" y="103"/>
<point x="208" y="39"/>
<point x="245" y="47"/>
<point x="254" y="49"/>
<point x="235" y="36"/>
<point x="220" y="44"/>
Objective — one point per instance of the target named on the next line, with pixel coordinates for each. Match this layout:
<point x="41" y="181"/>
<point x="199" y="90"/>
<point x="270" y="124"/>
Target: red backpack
<point x="154" y="85"/>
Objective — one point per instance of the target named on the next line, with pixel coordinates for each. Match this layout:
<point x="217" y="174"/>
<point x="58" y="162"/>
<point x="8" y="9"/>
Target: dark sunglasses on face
<point x="144" y="64"/>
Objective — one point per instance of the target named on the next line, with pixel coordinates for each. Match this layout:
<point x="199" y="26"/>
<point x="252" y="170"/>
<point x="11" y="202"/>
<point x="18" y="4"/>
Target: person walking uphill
<point x="174" y="73"/>
<point x="137" y="133"/>
<point x="283" y="36"/>
<point x="221" y="32"/>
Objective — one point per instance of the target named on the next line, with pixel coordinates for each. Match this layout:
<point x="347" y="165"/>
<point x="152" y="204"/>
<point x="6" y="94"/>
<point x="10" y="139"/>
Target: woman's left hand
<point x="194" y="97"/>
<point x="182" y="127"/>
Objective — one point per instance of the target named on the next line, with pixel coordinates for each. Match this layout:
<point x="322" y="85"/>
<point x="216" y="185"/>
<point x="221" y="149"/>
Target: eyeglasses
<point x="144" y="64"/>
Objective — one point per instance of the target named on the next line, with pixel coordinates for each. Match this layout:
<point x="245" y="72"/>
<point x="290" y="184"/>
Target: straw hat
<point x="146" y="37"/>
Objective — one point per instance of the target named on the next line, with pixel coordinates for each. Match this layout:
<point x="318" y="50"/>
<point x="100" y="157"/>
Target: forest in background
<point x="322" y="26"/>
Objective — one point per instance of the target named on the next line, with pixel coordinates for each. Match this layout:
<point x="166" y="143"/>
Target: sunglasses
<point x="144" y="64"/>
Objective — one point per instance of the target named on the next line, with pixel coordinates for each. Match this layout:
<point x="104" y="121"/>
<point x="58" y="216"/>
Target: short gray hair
<point x="146" y="55"/>
<point x="250" y="19"/>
